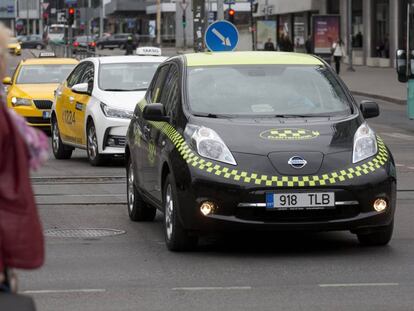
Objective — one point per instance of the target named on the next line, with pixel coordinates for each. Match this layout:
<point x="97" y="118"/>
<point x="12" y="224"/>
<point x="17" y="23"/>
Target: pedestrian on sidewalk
<point x="21" y="235"/>
<point x="129" y="46"/>
<point x="338" y="53"/>
<point x="309" y="45"/>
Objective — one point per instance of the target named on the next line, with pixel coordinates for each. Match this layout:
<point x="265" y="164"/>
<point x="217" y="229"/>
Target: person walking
<point x="338" y="53"/>
<point x="309" y="45"/>
<point x="21" y="235"/>
<point x="269" y="46"/>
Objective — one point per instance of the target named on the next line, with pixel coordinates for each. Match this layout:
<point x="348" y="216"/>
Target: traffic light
<point x="71" y="16"/>
<point x="231" y="14"/>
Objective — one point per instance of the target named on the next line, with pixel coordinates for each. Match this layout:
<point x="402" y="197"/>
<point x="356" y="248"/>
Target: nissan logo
<point x="297" y="162"/>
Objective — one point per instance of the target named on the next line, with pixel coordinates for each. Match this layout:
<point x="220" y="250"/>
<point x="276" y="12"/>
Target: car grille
<point x="261" y="214"/>
<point x="43" y="104"/>
<point x="37" y="120"/>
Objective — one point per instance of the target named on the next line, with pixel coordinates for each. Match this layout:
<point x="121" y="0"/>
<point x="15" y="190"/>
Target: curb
<point x="381" y="97"/>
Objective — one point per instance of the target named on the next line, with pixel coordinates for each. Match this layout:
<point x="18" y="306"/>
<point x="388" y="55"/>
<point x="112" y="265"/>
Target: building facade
<point x="377" y="25"/>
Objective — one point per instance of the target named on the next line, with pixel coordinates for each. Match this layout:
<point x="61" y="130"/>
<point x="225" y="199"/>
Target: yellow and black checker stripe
<point x="289" y="134"/>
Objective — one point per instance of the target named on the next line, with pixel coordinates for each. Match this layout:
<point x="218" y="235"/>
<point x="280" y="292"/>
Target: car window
<point x="171" y="94"/>
<point x="157" y="88"/>
<point x="126" y="76"/>
<point x="266" y="90"/>
<point x="76" y="75"/>
<point x="36" y="74"/>
<point x="88" y="75"/>
<point x="35" y="38"/>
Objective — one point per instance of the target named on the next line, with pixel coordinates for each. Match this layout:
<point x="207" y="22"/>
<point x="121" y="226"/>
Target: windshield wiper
<point x="210" y="115"/>
<point x="301" y="116"/>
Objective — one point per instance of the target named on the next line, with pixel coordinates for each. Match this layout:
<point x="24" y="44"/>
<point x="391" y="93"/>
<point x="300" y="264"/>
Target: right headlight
<point x="365" y="143"/>
<point x="208" y="144"/>
<point x="115" y="112"/>
<point x="17" y="101"/>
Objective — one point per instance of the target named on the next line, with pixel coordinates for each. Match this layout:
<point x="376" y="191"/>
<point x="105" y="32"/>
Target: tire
<point x="92" y="149"/>
<point x="39" y="47"/>
<point x="379" y="237"/>
<point x="138" y="210"/>
<point x="60" y="151"/>
<point x="176" y="237"/>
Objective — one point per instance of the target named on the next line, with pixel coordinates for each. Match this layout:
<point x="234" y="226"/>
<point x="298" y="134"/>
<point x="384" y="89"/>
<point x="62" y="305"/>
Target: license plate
<point x="46" y="114"/>
<point x="300" y="201"/>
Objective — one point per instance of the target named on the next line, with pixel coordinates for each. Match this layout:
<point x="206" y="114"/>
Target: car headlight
<point x="115" y="112"/>
<point x="365" y="143"/>
<point x="17" y="101"/>
<point x="208" y="144"/>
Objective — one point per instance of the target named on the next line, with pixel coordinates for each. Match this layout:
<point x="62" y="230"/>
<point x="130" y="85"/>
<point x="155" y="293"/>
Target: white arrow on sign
<point x="224" y="41"/>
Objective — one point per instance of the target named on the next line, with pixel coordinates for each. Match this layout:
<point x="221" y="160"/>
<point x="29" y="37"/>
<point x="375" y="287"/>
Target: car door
<point x="80" y="103"/>
<point x="65" y="109"/>
<point x="170" y="99"/>
<point x="150" y="135"/>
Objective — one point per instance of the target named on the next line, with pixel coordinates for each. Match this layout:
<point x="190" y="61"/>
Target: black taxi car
<point x="257" y="140"/>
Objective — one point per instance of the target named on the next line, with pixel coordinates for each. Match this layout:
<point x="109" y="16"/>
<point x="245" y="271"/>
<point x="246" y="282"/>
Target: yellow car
<point x="30" y="92"/>
<point x="14" y="46"/>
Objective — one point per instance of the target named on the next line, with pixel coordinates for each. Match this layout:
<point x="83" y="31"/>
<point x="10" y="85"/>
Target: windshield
<point x="56" y="29"/>
<point x="13" y="40"/>
<point x="126" y="76"/>
<point x="265" y="90"/>
<point x="35" y="74"/>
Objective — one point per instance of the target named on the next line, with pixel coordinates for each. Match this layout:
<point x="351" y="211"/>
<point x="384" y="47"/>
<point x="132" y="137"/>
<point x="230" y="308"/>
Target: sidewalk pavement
<point x="381" y="83"/>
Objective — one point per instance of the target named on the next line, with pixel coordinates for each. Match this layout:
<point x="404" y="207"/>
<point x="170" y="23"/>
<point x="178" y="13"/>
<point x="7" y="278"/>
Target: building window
<point x="381" y="28"/>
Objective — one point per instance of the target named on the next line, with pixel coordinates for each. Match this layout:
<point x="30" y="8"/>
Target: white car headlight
<point x="365" y="143"/>
<point x="17" y="101"/>
<point x="115" y="112"/>
<point x="208" y="144"/>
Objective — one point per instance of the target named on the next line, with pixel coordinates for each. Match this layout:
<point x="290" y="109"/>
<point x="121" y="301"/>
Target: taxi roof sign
<point x="46" y="54"/>
<point x="148" y="51"/>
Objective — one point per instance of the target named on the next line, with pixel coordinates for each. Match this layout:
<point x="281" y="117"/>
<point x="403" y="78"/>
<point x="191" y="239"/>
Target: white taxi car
<point x="93" y="107"/>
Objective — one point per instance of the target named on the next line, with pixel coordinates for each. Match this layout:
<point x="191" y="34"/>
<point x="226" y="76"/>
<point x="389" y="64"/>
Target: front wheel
<point x="60" y="151"/>
<point x="94" y="157"/>
<point x="378" y="237"/>
<point x="138" y="210"/>
<point x="176" y="237"/>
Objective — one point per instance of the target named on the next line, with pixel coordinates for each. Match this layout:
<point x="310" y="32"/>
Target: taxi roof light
<point x="148" y="51"/>
<point x="46" y="54"/>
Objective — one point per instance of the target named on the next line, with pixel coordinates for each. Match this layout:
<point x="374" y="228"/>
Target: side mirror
<point x="402" y="66"/>
<point x="369" y="109"/>
<point x="7" y="81"/>
<point x="81" y="88"/>
<point x="155" y="112"/>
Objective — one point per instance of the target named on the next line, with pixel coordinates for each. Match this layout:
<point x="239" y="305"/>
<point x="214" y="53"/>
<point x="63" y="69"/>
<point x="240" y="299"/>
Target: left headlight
<point x="17" y="101"/>
<point x="208" y="144"/>
<point x="116" y="113"/>
<point x="365" y="143"/>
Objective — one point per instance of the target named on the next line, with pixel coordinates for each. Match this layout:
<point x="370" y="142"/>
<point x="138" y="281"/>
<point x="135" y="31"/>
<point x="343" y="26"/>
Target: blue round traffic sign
<point x="221" y="36"/>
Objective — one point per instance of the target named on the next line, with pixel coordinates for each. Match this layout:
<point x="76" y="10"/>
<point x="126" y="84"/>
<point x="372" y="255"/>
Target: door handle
<point x="147" y="129"/>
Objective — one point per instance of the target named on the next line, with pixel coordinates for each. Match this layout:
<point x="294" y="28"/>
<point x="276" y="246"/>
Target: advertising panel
<point x="325" y="32"/>
<point x="7" y="9"/>
<point x="265" y="30"/>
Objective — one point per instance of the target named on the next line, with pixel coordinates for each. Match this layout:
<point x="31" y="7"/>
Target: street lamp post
<point x="349" y="11"/>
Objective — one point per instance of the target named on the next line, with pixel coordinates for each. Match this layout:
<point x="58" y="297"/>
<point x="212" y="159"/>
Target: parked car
<point x="32" y="42"/>
<point x="115" y="41"/>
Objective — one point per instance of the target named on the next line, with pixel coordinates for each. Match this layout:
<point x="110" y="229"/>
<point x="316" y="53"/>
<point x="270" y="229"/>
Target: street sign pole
<point x="349" y="11"/>
<point x="252" y="28"/>
<point x="220" y="10"/>
<point x="199" y="17"/>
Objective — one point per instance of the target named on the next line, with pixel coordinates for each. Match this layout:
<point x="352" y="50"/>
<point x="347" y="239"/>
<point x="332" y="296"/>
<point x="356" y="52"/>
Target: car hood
<point x="319" y="142"/>
<point x="121" y="100"/>
<point x="35" y="91"/>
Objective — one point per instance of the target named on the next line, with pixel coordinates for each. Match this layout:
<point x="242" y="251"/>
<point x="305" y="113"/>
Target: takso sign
<point x="7" y="9"/>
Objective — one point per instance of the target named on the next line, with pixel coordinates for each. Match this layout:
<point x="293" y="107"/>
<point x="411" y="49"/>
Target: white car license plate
<point x="46" y="114"/>
<point x="300" y="201"/>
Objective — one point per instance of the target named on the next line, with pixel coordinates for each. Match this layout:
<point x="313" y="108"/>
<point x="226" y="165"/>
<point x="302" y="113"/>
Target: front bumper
<point x="34" y="116"/>
<point x="241" y="207"/>
<point x="112" y="134"/>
